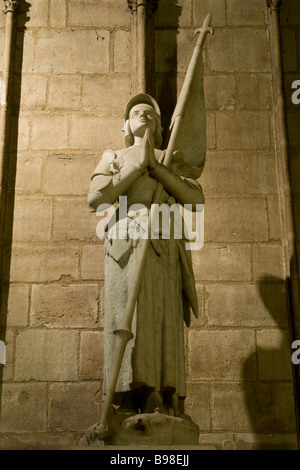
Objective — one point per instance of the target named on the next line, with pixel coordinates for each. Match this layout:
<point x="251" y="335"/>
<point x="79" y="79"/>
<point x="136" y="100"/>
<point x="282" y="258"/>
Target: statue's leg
<point x="126" y="401"/>
<point x="175" y="404"/>
<point x="155" y="403"/>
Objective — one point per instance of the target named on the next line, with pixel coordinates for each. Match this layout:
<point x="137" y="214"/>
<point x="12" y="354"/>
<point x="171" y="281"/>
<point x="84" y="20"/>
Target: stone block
<point x="198" y="322"/>
<point x="17" y="305"/>
<point x="57" y="51"/>
<point x="272" y="134"/>
<point x="246" y="305"/>
<point x="223" y="173"/>
<point x="37" y="14"/>
<point x="230" y="408"/>
<point x="216" y="7"/>
<point x="28" y="174"/>
<point x="235" y="219"/>
<point x="222" y="354"/>
<point x="243" y="130"/>
<point x="74" y="407"/>
<point x="219" y="92"/>
<point x="222" y="440"/>
<point x="197" y="404"/>
<point x="274" y="409"/>
<point x="249" y="441"/>
<point x="67" y="174"/>
<point x="20" y="132"/>
<point x="254" y="91"/>
<point x="274" y="355"/>
<point x="173" y="15"/>
<point x="47" y="355"/>
<point x="175" y="50"/>
<point x="101" y="304"/>
<point x="37" y="441"/>
<point x="69" y="306"/>
<point x="268" y="260"/>
<point x="101" y="92"/>
<point x="122" y="52"/>
<point x="223" y="262"/>
<point x="93" y="13"/>
<point x="72" y="220"/>
<point x="96" y="132"/>
<point x="33" y="91"/>
<point x="186" y="42"/>
<point x="43" y="263"/>
<point x="58" y="13"/>
<point x="32" y="219"/>
<point x="25" y="43"/>
<point x="274" y="218"/>
<point x="91" y="355"/>
<point x="93" y="262"/>
<point x="49" y="132"/>
<point x="243" y="14"/>
<point x="64" y="92"/>
<point x="23" y="407"/>
<point x="247" y="50"/>
<point x="211" y="138"/>
<point x="262" y="174"/>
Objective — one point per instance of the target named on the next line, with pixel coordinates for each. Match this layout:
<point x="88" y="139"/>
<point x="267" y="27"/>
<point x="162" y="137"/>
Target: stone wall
<point x="72" y="79"/>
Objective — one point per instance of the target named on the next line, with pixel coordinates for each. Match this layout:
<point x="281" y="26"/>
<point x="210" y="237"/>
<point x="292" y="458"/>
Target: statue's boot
<point x="155" y="403"/>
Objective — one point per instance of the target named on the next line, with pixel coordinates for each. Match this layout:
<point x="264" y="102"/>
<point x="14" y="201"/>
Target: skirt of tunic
<point x="155" y="356"/>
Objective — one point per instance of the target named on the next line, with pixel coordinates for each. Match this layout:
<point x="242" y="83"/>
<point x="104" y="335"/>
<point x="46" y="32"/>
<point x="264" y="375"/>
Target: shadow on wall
<point x="11" y="151"/>
<point x="272" y="399"/>
<point x="166" y="60"/>
<point x="290" y="30"/>
<point x="269" y="399"/>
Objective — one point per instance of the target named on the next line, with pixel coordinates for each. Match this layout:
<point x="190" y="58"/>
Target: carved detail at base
<point x="146" y="429"/>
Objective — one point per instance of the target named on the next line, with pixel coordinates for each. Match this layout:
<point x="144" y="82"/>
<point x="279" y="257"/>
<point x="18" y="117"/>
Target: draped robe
<point x="155" y="357"/>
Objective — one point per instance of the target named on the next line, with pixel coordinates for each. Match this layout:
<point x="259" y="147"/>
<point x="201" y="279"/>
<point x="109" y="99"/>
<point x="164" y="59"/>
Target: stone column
<point x="10" y="7"/>
<point x="284" y="179"/>
<point x="143" y="46"/>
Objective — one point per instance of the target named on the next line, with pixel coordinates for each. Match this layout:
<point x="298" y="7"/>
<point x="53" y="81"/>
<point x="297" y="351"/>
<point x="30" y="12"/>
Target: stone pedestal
<point x="147" y="429"/>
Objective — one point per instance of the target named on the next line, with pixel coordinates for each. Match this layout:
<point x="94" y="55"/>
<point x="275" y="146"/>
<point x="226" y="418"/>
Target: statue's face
<point x="142" y="116"/>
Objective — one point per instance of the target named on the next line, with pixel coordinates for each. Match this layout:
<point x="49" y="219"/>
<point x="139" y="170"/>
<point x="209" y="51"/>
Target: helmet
<point x="138" y="99"/>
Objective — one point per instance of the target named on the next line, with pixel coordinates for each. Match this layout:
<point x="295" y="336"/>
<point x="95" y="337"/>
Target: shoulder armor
<point x="108" y="157"/>
<point x="103" y="167"/>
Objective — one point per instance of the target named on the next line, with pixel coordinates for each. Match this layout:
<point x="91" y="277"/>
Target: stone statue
<point x="145" y="352"/>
